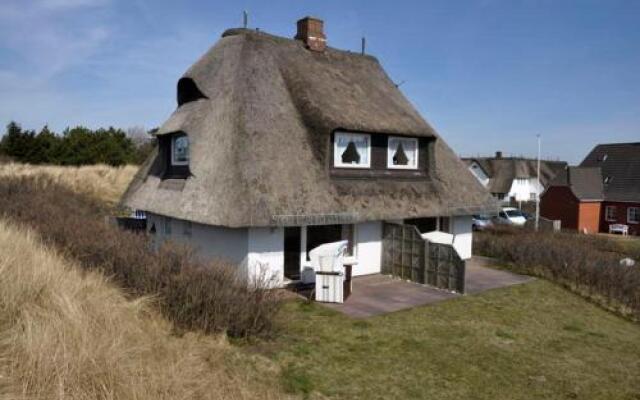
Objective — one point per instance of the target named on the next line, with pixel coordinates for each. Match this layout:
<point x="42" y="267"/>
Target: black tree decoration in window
<point x="351" y="155"/>
<point x="400" y="158"/>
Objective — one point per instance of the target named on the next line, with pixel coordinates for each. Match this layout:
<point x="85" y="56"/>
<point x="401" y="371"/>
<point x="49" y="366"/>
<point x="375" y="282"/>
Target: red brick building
<point x="603" y="191"/>
<point x="574" y="197"/>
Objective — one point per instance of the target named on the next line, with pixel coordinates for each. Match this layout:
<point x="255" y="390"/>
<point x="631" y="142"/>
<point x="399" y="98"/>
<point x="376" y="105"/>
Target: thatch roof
<point x="620" y="166"/>
<point x="503" y="170"/>
<point x="584" y="182"/>
<point x="260" y="140"/>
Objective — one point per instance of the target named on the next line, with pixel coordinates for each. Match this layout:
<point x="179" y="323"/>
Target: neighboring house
<point x="513" y="178"/>
<point x="574" y="197"/>
<point x="279" y="145"/>
<point x="620" y="168"/>
<point x="603" y="192"/>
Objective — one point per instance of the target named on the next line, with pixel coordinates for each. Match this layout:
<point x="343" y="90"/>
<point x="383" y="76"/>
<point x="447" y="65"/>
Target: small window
<point x="180" y="150"/>
<point x="610" y="213"/>
<point x="167" y="226"/>
<point x="633" y="215"/>
<point x="187" y="228"/>
<point x="532" y="196"/>
<point x="402" y="153"/>
<point x="188" y="91"/>
<point x="352" y="150"/>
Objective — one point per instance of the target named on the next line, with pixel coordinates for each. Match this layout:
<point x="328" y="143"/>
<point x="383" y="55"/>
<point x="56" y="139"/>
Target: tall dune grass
<point x="66" y="334"/>
<point x="102" y="182"/>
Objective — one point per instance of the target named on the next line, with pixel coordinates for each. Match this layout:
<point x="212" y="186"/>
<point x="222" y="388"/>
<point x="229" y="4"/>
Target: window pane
<point x="402" y="153"/>
<point x="180" y="150"/>
<point x="352" y="150"/>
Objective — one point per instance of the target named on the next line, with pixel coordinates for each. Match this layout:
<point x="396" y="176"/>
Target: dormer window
<point x="402" y="153"/>
<point x="180" y="150"/>
<point x="352" y="150"/>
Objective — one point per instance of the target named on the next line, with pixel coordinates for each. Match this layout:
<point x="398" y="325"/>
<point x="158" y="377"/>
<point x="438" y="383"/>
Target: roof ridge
<point x="259" y="33"/>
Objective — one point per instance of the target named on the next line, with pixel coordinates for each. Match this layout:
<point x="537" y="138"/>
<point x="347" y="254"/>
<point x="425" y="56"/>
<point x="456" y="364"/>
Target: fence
<point x="406" y="255"/>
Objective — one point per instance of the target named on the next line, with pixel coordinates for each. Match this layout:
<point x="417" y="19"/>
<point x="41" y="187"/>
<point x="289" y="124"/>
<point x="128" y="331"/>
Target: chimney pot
<point x="311" y="32"/>
<point x="498" y="154"/>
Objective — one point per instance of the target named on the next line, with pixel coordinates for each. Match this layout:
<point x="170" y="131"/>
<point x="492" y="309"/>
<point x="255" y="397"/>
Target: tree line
<point x="76" y="146"/>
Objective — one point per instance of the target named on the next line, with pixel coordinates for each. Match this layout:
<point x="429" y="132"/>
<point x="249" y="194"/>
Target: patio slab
<point x="380" y="294"/>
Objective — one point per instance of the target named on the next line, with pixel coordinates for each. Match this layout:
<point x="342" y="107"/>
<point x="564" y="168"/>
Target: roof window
<point x="188" y="91"/>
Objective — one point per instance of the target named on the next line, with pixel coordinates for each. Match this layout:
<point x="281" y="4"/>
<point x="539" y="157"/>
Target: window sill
<point x="401" y="174"/>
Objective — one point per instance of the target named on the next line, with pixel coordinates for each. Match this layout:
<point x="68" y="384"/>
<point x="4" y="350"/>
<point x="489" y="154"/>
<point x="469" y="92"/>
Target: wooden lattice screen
<point x="406" y="255"/>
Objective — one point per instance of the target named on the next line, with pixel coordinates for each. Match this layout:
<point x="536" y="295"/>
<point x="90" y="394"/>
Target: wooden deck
<point x="380" y="294"/>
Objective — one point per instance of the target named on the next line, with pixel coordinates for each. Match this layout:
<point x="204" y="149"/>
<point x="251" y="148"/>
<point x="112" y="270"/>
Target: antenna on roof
<point x="245" y="19"/>
<point x="364" y="44"/>
<point x="400" y="84"/>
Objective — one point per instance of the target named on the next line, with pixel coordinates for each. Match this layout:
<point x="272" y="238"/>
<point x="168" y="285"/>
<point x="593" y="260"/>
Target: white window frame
<point x="390" y="153"/>
<point x="173" y="143"/>
<point x="337" y="156"/>
<point x="637" y="212"/>
<point x="606" y="213"/>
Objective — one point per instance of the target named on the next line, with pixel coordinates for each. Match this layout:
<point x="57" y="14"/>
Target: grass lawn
<point x="531" y="341"/>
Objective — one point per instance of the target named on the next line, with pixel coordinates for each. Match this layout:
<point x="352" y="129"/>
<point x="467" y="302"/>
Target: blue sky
<point x="488" y="75"/>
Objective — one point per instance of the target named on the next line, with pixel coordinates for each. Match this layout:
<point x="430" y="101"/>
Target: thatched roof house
<point x="290" y="132"/>
<point x="259" y="111"/>
<point x="507" y="177"/>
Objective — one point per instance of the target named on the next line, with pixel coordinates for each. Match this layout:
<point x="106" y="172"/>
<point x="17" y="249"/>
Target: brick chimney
<point x="498" y="154"/>
<point x="310" y="31"/>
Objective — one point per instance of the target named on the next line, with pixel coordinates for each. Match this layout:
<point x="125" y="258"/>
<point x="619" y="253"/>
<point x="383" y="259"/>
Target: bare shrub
<point x="72" y="335"/>
<point x="587" y="264"/>
<point x="193" y="294"/>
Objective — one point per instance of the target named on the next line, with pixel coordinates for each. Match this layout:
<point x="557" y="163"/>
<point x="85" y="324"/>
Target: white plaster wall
<point x="266" y="254"/>
<point x="461" y="227"/>
<point x="522" y="189"/>
<point x="208" y="241"/>
<point x="368" y="248"/>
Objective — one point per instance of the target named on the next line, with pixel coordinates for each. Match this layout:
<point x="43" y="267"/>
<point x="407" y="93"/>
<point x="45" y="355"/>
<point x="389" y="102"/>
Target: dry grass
<point x="101" y="182"/>
<point x="71" y="335"/>
<point x="194" y="294"/>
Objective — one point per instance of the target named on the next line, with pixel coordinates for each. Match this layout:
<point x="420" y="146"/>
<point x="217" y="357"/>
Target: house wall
<point x="621" y="217"/>
<point x="369" y="248"/>
<point x="589" y="217"/>
<point x="461" y="228"/>
<point x="559" y="203"/>
<point x="521" y="189"/>
<point x="266" y="255"/>
<point x="209" y="241"/>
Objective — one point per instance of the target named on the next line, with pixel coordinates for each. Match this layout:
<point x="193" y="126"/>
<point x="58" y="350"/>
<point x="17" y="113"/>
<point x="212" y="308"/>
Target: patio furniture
<point x="619" y="228"/>
<point x="326" y="261"/>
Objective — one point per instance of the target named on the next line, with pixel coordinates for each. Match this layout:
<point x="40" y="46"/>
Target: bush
<point x="68" y="334"/>
<point x="589" y="265"/>
<point x="193" y="294"/>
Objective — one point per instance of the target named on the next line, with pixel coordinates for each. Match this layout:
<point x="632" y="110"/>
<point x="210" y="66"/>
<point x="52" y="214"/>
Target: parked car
<point x="481" y="222"/>
<point x="511" y="216"/>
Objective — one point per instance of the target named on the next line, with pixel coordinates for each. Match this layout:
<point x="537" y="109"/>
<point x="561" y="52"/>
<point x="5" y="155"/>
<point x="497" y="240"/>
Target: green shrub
<point x="207" y="296"/>
<point x="587" y="264"/>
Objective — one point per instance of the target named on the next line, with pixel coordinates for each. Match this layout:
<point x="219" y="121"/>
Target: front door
<point x="292" y="252"/>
